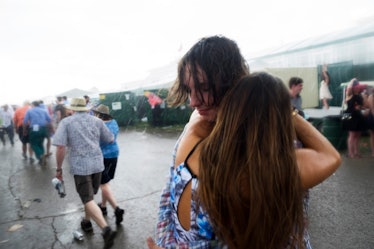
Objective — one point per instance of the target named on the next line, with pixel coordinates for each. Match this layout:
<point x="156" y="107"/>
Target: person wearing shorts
<point x="110" y="153"/>
<point x="18" y="117"/>
<point x="87" y="186"/>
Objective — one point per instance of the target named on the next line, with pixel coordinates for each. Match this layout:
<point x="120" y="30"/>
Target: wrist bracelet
<point x="295" y="112"/>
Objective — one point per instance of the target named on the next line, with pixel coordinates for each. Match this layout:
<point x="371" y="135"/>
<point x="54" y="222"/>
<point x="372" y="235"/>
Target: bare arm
<point x="326" y="77"/>
<point x="58" y="116"/>
<point x="318" y="159"/>
<point x="370" y="103"/>
<point x="60" y="155"/>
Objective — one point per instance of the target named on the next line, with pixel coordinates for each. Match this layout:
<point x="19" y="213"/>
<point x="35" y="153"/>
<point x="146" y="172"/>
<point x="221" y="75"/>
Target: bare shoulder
<point x="196" y="130"/>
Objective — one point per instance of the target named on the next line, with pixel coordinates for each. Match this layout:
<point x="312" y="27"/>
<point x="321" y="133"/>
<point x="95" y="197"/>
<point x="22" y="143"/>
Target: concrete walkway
<point x="34" y="216"/>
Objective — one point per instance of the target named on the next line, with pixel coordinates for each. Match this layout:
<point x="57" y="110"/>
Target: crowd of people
<point x="86" y="135"/>
<point x="34" y="123"/>
<point x="241" y="169"/>
<point x="358" y="116"/>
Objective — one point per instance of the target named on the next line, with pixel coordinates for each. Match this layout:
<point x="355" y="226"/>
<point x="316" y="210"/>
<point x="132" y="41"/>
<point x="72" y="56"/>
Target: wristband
<point x="295" y="112"/>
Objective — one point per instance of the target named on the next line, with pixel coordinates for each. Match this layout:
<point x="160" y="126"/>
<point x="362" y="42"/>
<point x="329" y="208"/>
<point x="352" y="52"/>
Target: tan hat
<point x="102" y="109"/>
<point x="78" y="105"/>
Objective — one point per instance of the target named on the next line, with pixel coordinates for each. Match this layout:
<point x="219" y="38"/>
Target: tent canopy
<point x="78" y="93"/>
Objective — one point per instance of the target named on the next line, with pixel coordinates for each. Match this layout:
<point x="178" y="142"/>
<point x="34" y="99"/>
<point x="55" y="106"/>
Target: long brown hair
<point x="248" y="177"/>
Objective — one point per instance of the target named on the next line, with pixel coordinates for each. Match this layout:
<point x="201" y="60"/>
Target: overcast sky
<point x="48" y="47"/>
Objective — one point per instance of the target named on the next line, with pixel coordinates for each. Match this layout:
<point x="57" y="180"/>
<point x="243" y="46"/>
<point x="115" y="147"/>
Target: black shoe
<point x="108" y="235"/>
<point x="86" y="226"/>
<point x="103" y="209"/>
<point x="119" y="215"/>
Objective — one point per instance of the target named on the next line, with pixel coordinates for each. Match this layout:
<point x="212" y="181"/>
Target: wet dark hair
<point x="294" y="81"/>
<point x="220" y="60"/>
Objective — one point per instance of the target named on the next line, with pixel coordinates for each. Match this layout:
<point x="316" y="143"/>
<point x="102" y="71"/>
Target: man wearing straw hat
<point x="81" y="134"/>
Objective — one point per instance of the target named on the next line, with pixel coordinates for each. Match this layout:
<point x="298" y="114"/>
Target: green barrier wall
<point x="332" y="129"/>
<point x="127" y="108"/>
<point x="163" y="115"/>
<point x="122" y="106"/>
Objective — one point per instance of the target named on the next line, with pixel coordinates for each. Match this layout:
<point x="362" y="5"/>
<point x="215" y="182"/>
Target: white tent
<point x="76" y="93"/>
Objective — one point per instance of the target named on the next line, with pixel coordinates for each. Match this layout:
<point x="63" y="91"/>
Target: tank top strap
<point x="192" y="151"/>
<point x="188" y="156"/>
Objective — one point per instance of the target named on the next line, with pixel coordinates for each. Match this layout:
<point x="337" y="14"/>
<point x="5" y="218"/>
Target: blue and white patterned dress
<point x="200" y="227"/>
<point x="167" y="233"/>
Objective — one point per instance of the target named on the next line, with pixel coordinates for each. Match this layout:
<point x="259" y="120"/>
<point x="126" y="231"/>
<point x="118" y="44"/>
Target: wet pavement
<point x="34" y="216"/>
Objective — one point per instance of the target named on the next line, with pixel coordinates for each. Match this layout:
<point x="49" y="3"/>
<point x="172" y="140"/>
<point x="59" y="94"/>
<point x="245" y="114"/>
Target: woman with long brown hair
<point x="251" y="178"/>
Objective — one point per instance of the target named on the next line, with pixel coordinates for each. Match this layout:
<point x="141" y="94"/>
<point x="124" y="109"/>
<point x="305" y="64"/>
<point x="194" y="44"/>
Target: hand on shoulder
<point x="199" y="126"/>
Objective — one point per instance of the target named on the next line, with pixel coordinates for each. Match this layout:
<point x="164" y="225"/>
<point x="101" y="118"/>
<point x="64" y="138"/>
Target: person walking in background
<point x="88" y="104"/>
<point x="7" y="124"/>
<point x="59" y="111"/>
<point x="324" y="91"/>
<point x="369" y="104"/>
<point x="252" y="180"/>
<point x="81" y="134"/>
<point x="357" y="123"/>
<point x="50" y="131"/>
<point x="18" y="117"/>
<point x="65" y="100"/>
<point x="37" y="124"/>
<point x="295" y="85"/>
<point x="110" y="154"/>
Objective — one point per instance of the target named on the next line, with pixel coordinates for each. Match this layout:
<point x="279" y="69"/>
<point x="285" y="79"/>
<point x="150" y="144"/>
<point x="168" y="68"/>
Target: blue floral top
<point x="170" y="237"/>
<point x="200" y="226"/>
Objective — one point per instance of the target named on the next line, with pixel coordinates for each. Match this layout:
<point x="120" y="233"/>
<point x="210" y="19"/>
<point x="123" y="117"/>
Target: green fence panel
<point x="122" y="106"/>
<point x="162" y="115"/>
<point x="129" y="109"/>
<point x="332" y="129"/>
